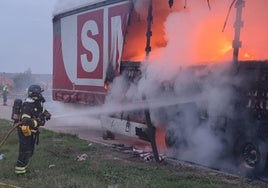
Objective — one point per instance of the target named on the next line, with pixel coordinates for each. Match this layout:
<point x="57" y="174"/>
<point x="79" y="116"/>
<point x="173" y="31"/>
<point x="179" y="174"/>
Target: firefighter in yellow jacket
<point x="33" y="115"/>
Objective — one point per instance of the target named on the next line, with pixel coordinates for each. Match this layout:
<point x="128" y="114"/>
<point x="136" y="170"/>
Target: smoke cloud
<point x="194" y="36"/>
<point x="191" y="103"/>
<point x="65" y="5"/>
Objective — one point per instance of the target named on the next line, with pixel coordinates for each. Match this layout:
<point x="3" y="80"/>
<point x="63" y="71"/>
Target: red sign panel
<point x="85" y="43"/>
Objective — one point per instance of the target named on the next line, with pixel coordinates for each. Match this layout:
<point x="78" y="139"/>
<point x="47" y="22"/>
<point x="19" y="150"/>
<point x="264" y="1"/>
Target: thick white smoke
<point x="192" y="103"/>
<point x="65" y="5"/>
<point x="167" y="75"/>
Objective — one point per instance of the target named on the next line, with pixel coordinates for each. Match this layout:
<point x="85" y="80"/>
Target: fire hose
<point x="8" y="185"/>
<point x="9" y="133"/>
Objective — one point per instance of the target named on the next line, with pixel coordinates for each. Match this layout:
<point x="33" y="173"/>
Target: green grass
<point x="54" y="165"/>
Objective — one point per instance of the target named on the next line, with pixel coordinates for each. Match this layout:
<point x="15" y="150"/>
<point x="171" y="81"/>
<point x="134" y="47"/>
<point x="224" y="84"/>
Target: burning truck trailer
<point x="111" y="52"/>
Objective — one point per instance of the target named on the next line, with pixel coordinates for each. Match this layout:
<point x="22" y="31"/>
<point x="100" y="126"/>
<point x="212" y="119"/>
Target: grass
<point x="55" y="164"/>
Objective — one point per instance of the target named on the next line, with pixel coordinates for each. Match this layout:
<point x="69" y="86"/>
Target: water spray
<point x="110" y="108"/>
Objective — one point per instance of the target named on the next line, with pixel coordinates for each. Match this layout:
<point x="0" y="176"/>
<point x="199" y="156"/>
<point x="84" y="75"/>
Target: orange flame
<point x="249" y="56"/>
<point x="206" y="41"/>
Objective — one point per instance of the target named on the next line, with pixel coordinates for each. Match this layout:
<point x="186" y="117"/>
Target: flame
<point x="106" y="86"/>
<point x="213" y="47"/>
<point x="135" y="38"/>
<point x="226" y="48"/>
<point x="194" y="34"/>
<point x="160" y="140"/>
<point x="247" y="55"/>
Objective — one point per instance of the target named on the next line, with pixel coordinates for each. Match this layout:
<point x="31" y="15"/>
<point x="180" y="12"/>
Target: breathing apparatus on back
<point x="16" y="110"/>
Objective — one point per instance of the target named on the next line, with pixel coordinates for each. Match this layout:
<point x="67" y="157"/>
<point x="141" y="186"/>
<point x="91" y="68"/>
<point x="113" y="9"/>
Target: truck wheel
<point x="252" y="157"/>
<point x="108" y="135"/>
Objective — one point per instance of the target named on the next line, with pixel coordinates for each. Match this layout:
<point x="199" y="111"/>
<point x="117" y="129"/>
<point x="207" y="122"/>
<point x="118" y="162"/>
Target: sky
<point x="26" y="36"/>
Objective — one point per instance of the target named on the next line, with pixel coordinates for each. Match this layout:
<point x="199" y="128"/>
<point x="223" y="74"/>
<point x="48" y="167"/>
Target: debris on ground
<point x="145" y="155"/>
<point x="2" y="156"/>
<point x="82" y="157"/>
<point x="51" y="166"/>
<point x="113" y="186"/>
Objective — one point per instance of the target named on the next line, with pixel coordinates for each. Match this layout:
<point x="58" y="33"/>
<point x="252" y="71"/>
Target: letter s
<point x="91" y="45"/>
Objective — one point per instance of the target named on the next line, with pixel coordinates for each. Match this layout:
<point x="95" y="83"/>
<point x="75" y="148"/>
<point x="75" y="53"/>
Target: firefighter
<point x="33" y="115"/>
<point x="5" y="93"/>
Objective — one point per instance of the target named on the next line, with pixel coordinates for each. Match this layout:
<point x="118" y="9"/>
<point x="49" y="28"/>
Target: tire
<point x="251" y="155"/>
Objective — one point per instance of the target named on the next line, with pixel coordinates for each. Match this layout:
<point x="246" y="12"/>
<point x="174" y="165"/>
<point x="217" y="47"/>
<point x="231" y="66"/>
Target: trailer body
<point x="97" y="42"/>
<point x="87" y="41"/>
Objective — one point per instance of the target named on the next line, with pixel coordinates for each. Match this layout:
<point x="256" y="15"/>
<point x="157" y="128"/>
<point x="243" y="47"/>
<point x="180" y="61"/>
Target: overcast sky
<point x="26" y="35"/>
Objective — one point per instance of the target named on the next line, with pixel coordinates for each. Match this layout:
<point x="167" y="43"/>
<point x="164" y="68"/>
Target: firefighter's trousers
<point x="26" y="150"/>
<point x="4" y="98"/>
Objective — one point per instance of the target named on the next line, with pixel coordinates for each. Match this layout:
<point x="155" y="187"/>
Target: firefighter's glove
<point x="41" y="121"/>
<point x="32" y="123"/>
<point x="47" y="115"/>
<point x="26" y="130"/>
<point x="41" y="99"/>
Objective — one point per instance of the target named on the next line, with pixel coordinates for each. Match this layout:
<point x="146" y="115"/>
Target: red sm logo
<point x="90" y="41"/>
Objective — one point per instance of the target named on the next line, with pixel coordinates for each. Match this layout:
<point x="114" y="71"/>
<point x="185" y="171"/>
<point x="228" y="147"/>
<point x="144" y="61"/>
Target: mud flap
<point x="16" y="110"/>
